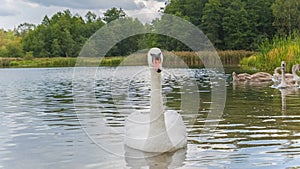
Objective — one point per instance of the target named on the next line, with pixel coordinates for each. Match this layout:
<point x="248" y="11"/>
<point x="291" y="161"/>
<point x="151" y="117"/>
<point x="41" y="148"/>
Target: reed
<point x="171" y="59"/>
<point x="272" y="52"/>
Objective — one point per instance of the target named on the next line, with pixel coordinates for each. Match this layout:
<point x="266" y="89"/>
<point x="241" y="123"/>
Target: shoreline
<point x="190" y="59"/>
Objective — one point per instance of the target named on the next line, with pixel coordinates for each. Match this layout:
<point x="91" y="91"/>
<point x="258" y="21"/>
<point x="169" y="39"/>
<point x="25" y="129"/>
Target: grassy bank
<point x="36" y="62"/>
<point x="272" y="52"/>
<point x="191" y="59"/>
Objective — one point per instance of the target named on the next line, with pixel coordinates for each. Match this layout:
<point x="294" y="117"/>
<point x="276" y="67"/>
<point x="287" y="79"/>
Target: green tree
<point x="229" y="24"/>
<point x="23" y="29"/>
<point x="63" y="34"/>
<point x="212" y="22"/>
<point x="261" y="18"/>
<point x="129" y="44"/>
<point x="10" y="44"/>
<point x="113" y="14"/>
<point x="236" y="26"/>
<point x="287" y="16"/>
<point x="190" y="10"/>
<point x="93" y="23"/>
<point x="55" y="48"/>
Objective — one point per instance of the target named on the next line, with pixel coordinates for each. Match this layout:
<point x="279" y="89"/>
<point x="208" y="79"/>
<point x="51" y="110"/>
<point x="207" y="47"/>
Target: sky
<point x="15" y="12"/>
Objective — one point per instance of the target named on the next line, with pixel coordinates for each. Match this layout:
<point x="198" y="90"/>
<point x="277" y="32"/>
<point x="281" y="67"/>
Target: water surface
<point x="41" y="127"/>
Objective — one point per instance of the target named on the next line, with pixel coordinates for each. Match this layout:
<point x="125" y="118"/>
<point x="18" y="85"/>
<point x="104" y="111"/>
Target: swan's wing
<point x="175" y="128"/>
<point x="136" y="130"/>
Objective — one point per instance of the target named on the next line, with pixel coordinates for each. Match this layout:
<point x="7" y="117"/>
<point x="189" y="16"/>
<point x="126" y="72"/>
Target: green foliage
<point x="272" y="52"/>
<point x="111" y="61"/>
<point x="23" y="29"/>
<point x="28" y="56"/>
<point x="61" y="35"/>
<point x="191" y="10"/>
<point x="113" y="14"/>
<point x="229" y="24"/>
<point x="286" y="13"/>
<point x="212" y="22"/>
<point x="10" y="44"/>
<point x="129" y="44"/>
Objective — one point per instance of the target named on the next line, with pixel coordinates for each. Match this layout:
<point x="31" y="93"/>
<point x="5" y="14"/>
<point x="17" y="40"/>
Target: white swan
<point x="288" y="80"/>
<point x="276" y="76"/>
<point x="157" y="131"/>
<point x="240" y="77"/>
<point x="296" y="78"/>
<point x="283" y="82"/>
<point x="256" y="77"/>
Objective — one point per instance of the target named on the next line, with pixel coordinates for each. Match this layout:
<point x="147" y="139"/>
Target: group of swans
<point x="158" y="131"/>
<point x="286" y="79"/>
<point x="162" y="131"/>
<point x="283" y="80"/>
<point x="256" y="77"/>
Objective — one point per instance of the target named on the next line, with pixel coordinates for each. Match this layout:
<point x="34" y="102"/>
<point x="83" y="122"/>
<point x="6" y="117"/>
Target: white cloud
<point x="7" y="8"/>
<point x="88" y="4"/>
<point x="149" y="12"/>
<point x="15" y="12"/>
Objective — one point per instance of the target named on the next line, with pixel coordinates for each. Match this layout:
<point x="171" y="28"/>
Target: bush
<point x="272" y="52"/>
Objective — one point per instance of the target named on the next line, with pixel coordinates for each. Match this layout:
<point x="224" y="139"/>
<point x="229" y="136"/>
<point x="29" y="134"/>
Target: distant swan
<point x="286" y="79"/>
<point x="256" y="77"/>
<point x="157" y="131"/>
<point x="296" y="78"/>
<point x="283" y="82"/>
<point x="276" y="76"/>
<point x="240" y="77"/>
<point x="260" y="77"/>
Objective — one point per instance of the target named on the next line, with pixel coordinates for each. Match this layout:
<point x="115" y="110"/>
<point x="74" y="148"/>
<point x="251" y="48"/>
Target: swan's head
<point x="155" y="59"/>
<point x="283" y="65"/>
<point x="234" y="76"/>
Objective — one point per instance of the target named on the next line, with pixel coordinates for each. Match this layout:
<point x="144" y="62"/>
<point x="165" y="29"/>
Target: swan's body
<point x="286" y="79"/>
<point x="240" y="77"/>
<point x="256" y="77"/>
<point x="288" y="76"/>
<point x="282" y="81"/>
<point x="260" y="77"/>
<point x="157" y="131"/>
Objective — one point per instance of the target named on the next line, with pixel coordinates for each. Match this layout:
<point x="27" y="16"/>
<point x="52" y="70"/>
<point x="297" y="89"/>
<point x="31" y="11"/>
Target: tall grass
<point x="272" y="52"/>
<point x="190" y="59"/>
<point x="171" y="59"/>
<point x="37" y="62"/>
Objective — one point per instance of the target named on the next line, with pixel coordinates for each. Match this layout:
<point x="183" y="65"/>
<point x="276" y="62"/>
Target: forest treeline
<point x="229" y="24"/>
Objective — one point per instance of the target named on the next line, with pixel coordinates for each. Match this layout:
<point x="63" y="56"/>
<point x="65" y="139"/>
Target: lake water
<point x="49" y="120"/>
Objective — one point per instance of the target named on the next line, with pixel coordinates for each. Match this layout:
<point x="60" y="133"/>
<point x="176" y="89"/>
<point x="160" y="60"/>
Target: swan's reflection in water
<point x="136" y="159"/>
<point x="285" y="92"/>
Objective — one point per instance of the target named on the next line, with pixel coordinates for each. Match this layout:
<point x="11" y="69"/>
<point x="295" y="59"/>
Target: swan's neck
<point x="276" y="71"/>
<point x="294" y="72"/>
<point x="283" y="83"/>
<point x="158" y="139"/>
<point x="156" y="103"/>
